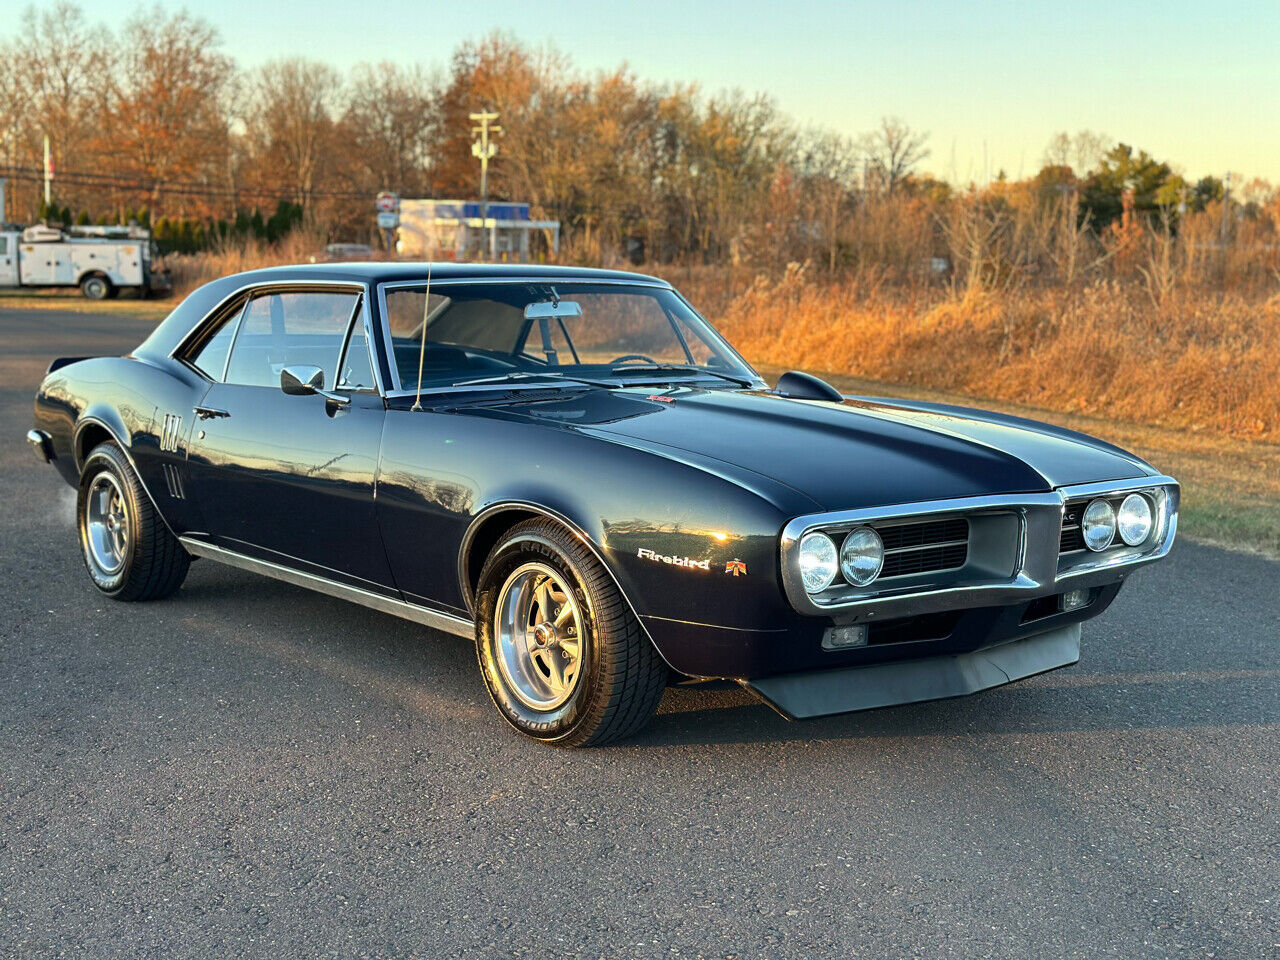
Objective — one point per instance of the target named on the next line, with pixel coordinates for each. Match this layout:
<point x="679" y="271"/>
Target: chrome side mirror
<point x="304" y="379"/>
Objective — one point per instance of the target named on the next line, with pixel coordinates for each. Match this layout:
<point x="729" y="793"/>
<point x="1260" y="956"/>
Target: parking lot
<point x="253" y="769"/>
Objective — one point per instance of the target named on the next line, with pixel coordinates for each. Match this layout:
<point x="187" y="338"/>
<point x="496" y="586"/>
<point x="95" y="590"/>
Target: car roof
<point x="374" y="271"/>
<point x="166" y="337"/>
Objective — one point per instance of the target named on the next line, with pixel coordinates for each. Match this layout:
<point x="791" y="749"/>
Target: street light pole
<point x="484" y="148"/>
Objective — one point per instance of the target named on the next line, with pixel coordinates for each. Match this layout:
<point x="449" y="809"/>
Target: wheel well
<point x="93" y="273"/>
<point x="90" y="435"/>
<point x="484" y="538"/>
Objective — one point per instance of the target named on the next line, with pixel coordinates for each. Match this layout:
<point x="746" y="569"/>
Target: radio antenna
<point x="422" y="350"/>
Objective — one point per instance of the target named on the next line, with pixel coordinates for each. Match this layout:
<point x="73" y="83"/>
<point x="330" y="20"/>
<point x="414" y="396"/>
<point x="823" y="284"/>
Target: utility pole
<point x="484" y="149"/>
<point x="48" y="174"/>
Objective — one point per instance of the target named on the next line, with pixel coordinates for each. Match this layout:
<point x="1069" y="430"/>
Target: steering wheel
<point x="632" y="356"/>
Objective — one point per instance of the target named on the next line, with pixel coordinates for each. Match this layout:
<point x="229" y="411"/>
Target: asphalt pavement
<point x="250" y="769"/>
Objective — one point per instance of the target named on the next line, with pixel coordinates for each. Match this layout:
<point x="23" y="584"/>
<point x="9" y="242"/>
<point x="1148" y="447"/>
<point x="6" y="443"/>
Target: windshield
<point x="480" y="331"/>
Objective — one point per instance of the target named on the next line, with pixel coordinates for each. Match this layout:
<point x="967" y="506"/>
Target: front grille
<point x="1072" y="538"/>
<point x="924" y="547"/>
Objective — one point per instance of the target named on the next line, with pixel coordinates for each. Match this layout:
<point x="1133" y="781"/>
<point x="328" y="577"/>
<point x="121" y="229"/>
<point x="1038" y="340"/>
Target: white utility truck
<point x="98" y="260"/>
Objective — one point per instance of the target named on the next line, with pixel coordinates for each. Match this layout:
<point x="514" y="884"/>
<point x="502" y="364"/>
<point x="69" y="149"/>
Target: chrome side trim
<point x="436" y="619"/>
<point x="1037" y="573"/>
<point x="464" y="584"/>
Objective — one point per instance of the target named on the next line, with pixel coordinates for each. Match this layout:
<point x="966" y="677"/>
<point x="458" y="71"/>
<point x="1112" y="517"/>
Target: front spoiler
<point x="819" y="693"/>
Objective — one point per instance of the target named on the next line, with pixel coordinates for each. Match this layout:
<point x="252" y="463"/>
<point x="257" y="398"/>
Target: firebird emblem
<point x="736" y="567"/>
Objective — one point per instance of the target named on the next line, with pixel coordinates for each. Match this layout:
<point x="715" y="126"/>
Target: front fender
<point x="682" y="543"/>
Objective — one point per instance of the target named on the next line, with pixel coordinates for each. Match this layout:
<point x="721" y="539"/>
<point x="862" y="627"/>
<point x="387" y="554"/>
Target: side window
<point x="357" y="367"/>
<point x="287" y="329"/>
<point x="211" y="358"/>
<point x="4" y="246"/>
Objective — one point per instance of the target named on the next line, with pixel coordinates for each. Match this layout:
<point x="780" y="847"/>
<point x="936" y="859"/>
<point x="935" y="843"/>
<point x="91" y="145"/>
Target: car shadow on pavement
<point x="1065" y="702"/>
<point x="436" y="674"/>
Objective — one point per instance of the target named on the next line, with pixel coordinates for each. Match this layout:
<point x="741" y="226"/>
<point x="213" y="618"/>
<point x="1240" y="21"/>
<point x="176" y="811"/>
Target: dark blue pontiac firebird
<point x="574" y="469"/>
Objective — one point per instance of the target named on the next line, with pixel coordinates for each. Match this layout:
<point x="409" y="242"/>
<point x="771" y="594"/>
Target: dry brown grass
<point x="1203" y="361"/>
<point x="188" y="271"/>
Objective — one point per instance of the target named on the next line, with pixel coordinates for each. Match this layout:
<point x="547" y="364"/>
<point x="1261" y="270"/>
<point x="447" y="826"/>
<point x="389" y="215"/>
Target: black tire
<point x="96" y="287"/>
<point x="152" y="563"/>
<point x="620" y="677"/>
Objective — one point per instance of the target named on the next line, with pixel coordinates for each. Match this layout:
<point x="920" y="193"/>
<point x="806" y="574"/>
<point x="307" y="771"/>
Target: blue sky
<point x="1196" y="83"/>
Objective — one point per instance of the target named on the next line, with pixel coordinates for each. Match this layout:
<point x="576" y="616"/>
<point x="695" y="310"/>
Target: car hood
<point x="860" y="453"/>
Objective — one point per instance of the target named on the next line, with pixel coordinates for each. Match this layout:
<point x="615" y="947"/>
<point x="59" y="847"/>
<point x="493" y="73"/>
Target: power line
<point x="130" y="183"/>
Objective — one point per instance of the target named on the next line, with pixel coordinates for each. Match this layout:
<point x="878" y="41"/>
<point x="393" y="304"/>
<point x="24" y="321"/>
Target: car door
<point x="285" y="477"/>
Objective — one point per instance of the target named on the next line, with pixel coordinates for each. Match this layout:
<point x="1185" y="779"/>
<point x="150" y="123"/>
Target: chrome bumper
<point x="42" y="444"/>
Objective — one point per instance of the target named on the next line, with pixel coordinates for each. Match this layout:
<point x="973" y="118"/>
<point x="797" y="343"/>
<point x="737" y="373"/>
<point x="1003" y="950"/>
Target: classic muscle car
<point x="574" y="469"/>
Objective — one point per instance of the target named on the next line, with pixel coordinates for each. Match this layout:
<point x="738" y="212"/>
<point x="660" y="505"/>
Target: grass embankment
<point x="73" y="301"/>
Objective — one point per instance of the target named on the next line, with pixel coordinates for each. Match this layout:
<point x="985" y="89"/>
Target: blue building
<point x="454" y="229"/>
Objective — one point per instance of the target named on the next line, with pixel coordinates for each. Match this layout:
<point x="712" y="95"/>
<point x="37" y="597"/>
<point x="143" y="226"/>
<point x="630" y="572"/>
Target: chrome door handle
<point x="210" y="413"/>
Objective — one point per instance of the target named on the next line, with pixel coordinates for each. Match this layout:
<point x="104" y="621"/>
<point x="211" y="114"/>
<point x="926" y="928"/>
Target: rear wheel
<point x="96" y="287"/>
<point x="561" y="652"/>
<point x="129" y="552"/>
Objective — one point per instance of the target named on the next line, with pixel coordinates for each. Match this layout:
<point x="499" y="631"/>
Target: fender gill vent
<point x="173" y="480"/>
<point x="171" y="433"/>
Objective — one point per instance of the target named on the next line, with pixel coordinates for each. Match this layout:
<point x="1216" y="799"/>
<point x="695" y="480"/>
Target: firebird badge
<point x="644" y="553"/>
<point x="736" y="567"/>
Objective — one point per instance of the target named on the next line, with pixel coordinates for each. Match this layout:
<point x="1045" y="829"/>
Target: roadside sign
<point x="388" y="221"/>
<point x="387" y="202"/>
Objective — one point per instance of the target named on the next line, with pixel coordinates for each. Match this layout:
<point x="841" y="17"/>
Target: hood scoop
<point x="804" y="386"/>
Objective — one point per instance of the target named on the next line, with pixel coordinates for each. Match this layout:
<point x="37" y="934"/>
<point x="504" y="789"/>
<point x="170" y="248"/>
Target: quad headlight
<point x="819" y="563"/>
<point x="1134" y="520"/>
<point x="1098" y="525"/>
<point x="861" y="556"/>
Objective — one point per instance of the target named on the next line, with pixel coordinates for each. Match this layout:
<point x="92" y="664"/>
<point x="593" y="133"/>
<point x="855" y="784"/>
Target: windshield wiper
<point x="682" y="368"/>
<point x="528" y="375"/>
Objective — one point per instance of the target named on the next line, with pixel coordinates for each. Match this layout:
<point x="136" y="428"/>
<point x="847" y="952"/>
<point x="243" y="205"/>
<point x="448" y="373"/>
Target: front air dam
<point x="819" y="693"/>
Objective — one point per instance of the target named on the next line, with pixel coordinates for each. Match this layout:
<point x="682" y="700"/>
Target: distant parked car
<point x="347" y="252"/>
<point x="574" y="469"/>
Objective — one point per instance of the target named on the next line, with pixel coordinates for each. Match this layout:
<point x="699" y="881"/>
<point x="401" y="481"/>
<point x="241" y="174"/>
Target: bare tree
<point x="893" y="151"/>
<point x="163" y="105"/>
<point x="828" y="165"/>
<point x="1058" y="151"/>
<point x="1080" y="152"/>
<point x="291" y="123"/>
<point x="389" y="127"/>
<point x="51" y="72"/>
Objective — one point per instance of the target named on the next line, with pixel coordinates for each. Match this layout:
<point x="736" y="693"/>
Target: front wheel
<point x="563" y="656"/>
<point x="129" y="552"/>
